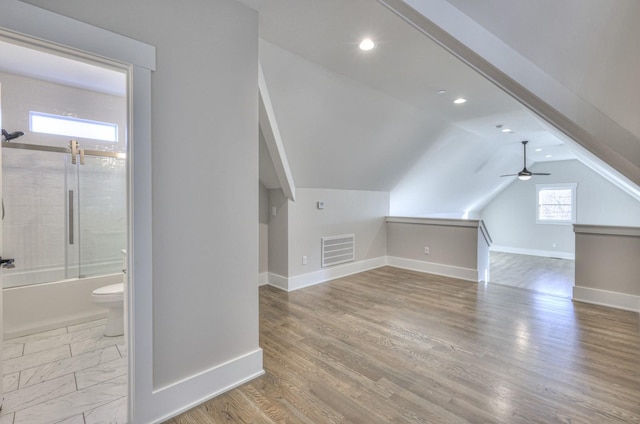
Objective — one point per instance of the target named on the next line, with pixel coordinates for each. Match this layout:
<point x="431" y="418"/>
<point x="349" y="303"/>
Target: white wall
<point x="511" y="216"/>
<point x="345" y="212"/>
<point x="205" y="173"/>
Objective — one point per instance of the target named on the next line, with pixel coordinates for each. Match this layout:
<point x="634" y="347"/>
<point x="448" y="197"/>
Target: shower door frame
<point x="57" y="33"/>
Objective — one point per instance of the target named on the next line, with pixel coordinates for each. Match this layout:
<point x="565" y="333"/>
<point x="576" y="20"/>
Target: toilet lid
<point x="112" y="289"/>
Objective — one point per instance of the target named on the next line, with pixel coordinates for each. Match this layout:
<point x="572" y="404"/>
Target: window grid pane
<point x="555" y="204"/>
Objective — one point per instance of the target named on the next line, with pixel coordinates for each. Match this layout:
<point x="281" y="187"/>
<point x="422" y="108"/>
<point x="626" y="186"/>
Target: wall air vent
<point x="338" y="249"/>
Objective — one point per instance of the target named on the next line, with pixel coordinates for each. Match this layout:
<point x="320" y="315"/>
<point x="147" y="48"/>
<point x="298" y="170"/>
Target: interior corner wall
<point x="278" y="233"/>
<point x="205" y="197"/>
<point x="263" y="229"/>
<point x="511" y="216"/>
<point x="345" y="212"/>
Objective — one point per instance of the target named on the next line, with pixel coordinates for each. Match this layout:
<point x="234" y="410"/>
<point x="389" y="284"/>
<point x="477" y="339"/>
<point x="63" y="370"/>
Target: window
<point x="73" y="127"/>
<point x="556" y="203"/>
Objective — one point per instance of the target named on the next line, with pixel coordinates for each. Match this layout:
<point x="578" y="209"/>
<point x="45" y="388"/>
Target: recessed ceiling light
<point x="499" y="126"/>
<point x="459" y="101"/>
<point x="506" y="130"/>
<point x="548" y="156"/>
<point x="538" y="150"/>
<point x="367" y="44"/>
<point x="442" y="91"/>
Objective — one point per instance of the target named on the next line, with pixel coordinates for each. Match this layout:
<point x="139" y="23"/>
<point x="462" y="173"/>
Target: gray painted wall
<point x="205" y="196"/>
<point x="448" y="245"/>
<point x="608" y="262"/>
<point x="278" y="244"/>
<point x="346" y="212"/>
<point x="511" y="216"/>
<point x="263" y="229"/>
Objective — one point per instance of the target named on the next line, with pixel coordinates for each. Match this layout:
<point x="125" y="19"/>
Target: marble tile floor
<point x="544" y="275"/>
<point x="70" y="375"/>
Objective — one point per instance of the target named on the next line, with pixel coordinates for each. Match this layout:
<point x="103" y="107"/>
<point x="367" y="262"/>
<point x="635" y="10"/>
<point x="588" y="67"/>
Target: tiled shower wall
<point x="35" y="187"/>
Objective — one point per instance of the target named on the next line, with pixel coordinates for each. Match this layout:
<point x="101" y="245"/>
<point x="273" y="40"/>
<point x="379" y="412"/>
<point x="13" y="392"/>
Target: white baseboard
<point x="326" y="274"/>
<point x="278" y="281"/>
<point x="263" y="278"/>
<point x="331" y="273"/>
<point x="533" y="252"/>
<point x="434" y="268"/>
<point x="179" y="397"/>
<point x="624" y="301"/>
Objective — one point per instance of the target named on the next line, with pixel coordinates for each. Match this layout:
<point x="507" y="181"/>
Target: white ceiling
<point x="375" y="121"/>
<point x="29" y="62"/>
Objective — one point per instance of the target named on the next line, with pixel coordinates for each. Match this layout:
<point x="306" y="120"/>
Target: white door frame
<point x="34" y="22"/>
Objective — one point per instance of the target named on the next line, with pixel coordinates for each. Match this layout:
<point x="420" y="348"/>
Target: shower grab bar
<point x="70" y="216"/>
<point x="24" y="146"/>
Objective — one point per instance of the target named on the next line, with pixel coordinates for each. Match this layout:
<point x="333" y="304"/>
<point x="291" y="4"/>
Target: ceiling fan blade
<point x="525" y="174"/>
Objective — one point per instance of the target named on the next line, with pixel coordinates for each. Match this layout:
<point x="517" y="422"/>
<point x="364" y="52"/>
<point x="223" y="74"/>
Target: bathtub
<point x="40" y="307"/>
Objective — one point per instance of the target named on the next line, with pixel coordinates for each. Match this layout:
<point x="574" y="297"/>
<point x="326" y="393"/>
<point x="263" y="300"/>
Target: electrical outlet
<point x="426" y="251"/>
<point x="304" y="260"/>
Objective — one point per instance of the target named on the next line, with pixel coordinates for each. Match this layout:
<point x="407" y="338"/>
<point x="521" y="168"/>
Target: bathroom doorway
<point x="64" y="195"/>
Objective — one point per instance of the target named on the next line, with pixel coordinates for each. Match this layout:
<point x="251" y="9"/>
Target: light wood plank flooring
<point x="394" y="346"/>
<point x="545" y="275"/>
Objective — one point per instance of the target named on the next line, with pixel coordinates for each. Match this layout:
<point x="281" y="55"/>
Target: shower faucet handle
<point x="7" y="263"/>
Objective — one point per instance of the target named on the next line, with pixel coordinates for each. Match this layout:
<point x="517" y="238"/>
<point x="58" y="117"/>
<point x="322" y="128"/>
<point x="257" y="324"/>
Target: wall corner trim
<point x="447" y="222"/>
<point x="273" y="139"/>
<point x="606" y="230"/>
<point x="627" y="302"/>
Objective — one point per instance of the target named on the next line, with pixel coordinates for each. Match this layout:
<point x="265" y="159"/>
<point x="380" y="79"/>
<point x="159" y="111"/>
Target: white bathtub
<point x="41" y="307"/>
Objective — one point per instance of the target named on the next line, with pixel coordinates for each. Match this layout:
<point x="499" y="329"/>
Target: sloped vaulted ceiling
<point x="589" y="46"/>
<point x="375" y="121"/>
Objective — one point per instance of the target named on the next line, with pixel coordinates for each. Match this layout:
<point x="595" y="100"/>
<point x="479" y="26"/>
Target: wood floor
<point x="545" y="275"/>
<point x="394" y="346"/>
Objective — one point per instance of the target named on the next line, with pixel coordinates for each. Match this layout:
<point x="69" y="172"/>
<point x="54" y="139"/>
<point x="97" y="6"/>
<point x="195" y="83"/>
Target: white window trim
<point x="574" y="203"/>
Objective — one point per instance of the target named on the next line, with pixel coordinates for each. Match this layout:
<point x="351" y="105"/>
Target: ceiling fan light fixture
<point x="524" y="177"/>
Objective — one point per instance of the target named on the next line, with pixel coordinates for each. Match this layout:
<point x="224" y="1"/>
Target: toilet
<point x="112" y="298"/>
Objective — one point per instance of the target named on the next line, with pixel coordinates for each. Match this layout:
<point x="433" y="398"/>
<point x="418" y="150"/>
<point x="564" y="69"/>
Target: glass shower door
<point x="101" y="215"/>
<point x="35" y="207"/>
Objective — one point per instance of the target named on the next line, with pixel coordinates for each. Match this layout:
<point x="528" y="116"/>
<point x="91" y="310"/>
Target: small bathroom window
<point x="47" y="123"/>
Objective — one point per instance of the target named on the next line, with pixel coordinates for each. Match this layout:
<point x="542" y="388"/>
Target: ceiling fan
<point x="525" y="174"/>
